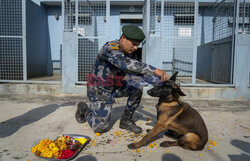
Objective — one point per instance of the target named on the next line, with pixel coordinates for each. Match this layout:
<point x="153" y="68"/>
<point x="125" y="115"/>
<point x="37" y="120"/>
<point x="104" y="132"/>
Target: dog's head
<point x="169" y="88"/>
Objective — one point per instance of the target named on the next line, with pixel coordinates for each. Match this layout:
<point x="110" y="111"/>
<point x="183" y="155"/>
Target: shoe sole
<point x="124" y="127"/>
<point x="79" y="115"/>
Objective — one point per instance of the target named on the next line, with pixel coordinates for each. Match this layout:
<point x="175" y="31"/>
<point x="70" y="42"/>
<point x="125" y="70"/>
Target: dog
<point x="176" y="118"/>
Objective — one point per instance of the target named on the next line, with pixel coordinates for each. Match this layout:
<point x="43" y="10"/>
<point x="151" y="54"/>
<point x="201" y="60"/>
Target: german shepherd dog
<point x="176" y="118"/>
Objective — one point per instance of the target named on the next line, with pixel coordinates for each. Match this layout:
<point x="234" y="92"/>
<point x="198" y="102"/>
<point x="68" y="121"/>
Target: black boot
<point x="82" y="108"/>
<point x="126" y="122"/>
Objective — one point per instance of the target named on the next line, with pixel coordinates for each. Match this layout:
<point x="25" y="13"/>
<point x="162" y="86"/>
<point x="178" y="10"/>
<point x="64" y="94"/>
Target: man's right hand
<point x="162" y="74"/>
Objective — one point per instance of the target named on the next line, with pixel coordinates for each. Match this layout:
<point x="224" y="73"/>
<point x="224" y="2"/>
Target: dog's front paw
<point x="132" y="146"/>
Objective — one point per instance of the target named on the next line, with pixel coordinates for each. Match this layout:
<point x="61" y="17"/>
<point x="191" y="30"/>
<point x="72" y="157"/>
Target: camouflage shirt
<point x="111" y="65"/>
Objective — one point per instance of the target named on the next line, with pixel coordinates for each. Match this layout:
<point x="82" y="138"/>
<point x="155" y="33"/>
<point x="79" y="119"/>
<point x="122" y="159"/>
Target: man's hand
<point x="162" y="74"/>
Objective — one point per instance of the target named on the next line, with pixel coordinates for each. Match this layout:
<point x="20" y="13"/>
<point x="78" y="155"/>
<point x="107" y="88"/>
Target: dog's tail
<point x="82" y="107"/>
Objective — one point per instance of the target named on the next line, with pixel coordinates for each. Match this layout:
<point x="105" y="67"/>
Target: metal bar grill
<point x="11" y="40"/>
<point x="178" y="38"/>
<point x="244" y="17"/>
<point x="91" y="33"/>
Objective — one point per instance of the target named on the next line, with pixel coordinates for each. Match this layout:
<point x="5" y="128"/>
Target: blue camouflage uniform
<point x="115" y="74"/>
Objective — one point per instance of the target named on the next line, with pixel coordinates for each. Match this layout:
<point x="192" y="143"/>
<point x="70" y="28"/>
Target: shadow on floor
<point x="12" y="125"/>
<point x="242" y="145"/>
<point x="86" y="158"/>
<point x="170" y="157"/>
<point x="239" y="157"/>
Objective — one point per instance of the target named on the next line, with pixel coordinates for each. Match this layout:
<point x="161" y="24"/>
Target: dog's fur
<point x="180" y="121"/>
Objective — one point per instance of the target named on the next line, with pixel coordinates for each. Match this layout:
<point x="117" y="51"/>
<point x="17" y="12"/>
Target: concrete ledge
<point x="12" y="88"/>
<point x="205" y="93"/>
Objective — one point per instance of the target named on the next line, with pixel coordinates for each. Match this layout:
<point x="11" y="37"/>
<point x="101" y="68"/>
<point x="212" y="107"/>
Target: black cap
<point x="133" y="32"/>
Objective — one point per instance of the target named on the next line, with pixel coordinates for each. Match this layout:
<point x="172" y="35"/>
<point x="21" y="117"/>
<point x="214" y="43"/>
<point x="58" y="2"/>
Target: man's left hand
<point x="162" y="74"/>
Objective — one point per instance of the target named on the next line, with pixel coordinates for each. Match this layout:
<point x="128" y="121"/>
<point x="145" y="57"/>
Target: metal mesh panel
<point x="155" y="13"/>
<point x="87" y="52"/>
<point x="153" y="43"/>
<point x="216" y="42"/>
<point x="152" y="14"/>
<point x="91" y="34"/>
<point x="69" y="15"/>
<point x="11" y="59"/>
<point x="11" y="41"/>
<point x="222" y="26"/>
<point x="244" y="17"/>
<point x="11" y="17"/>
<point x="177" y="39"/>
<point x="91" y="18"/>
<point x="217" y="20"/>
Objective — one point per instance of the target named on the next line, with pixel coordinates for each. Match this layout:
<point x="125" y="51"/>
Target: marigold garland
<point x="56" y="149"/>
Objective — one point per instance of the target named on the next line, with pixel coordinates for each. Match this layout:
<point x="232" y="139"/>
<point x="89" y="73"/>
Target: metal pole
<point x="147" y="28"/>
<point x="244" y="16"/>
<point x="196" y="16"/>
<point x="173" y="62"/>
<point x="162" y="15"/>
<point x="213" y="21"/>
<point x="107" y="19"/>
<point x="76" y="17"/>
<point x="234" y="38"/>
<point x="63" y="22"/>
<point x="24" y="40"/>
<point x="60" y="59"/>
<point x="76" y="22"/>
<point x="62" y="12"/>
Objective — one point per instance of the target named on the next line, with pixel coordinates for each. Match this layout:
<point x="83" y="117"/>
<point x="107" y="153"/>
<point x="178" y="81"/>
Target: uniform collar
<point x="117" y="42"/>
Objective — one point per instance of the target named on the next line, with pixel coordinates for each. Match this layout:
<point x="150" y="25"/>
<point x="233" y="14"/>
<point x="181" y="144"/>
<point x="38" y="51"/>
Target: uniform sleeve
<point x="118" y="59"/>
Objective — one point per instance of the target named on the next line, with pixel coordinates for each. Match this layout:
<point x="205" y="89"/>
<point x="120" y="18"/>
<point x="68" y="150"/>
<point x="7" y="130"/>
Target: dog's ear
<point x="173" y="77"/>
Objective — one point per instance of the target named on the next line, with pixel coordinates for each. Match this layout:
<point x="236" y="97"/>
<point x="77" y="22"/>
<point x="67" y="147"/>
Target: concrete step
<point x="207" y="93"/>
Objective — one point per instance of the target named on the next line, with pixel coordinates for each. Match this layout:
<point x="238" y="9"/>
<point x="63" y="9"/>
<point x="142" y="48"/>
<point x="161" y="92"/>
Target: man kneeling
<point x="115" y="60"/>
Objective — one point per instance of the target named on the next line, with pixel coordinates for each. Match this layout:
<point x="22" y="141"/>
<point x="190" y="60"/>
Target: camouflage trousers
<point x="101" y="101"/>
<point x="100" y="114"/>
